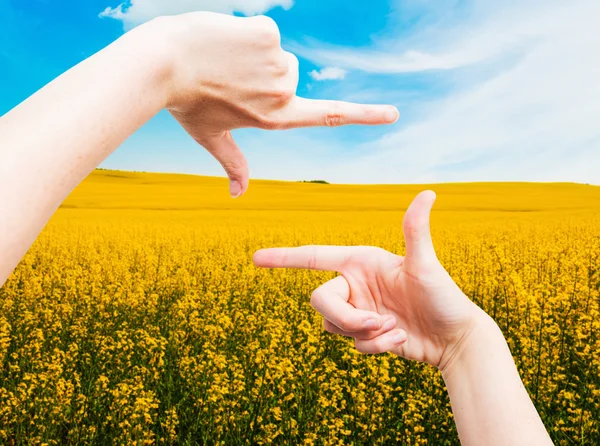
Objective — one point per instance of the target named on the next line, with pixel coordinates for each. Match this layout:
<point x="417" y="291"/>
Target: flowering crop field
<point x="138" y="317"/>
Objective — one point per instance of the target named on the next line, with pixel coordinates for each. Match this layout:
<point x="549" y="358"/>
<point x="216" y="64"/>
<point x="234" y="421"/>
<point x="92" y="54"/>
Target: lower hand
<point x="406" y="305"/>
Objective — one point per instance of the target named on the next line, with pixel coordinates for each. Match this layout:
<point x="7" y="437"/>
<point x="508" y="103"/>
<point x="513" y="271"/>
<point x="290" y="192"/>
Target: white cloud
<point x="521" y="100"/>
<point x="134" y="12"/>
<point x="524" y="105"/>
<point x="328" y="73"/>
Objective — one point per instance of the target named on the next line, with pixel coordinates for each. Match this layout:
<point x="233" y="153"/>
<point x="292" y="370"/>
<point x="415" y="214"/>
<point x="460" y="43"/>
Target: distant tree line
<point x="315" y="181"/>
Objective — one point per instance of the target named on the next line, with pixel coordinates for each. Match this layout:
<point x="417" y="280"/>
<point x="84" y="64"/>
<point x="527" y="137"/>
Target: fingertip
<point x="389" y="323"/>
<point x="422" y="202"/>
<point x="391" y="115"/>
<point x="383" y="343"/>
<point x="373" y="322"/>
<point x="235" y="189"/>
<point x="239" y="182"/>
<point x="398" y="337"/>
<point x="259" y="257"/>
<point x="429" y="195"/>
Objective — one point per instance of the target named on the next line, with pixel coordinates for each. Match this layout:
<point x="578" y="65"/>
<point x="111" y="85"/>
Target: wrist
<point x="481" y="334"/>
<point x="148" y="46"/>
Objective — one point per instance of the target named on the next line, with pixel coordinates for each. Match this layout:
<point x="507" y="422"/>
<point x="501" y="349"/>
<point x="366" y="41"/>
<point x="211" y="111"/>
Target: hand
<point x="407" y="305"/>
<point x="231" y="72"/>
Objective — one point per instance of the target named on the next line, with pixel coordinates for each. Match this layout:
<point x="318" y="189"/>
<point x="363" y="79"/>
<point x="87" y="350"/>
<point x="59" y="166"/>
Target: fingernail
<point x="372" y="324"/>
<point x="389" y="324"/>
<point x="235" y="189"/>
<point x="391" y="115"/>
<point x="398" y="338"/>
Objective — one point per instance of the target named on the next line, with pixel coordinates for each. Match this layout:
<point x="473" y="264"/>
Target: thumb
<point x="417" y="236"/>
<point x="227" y="152"/>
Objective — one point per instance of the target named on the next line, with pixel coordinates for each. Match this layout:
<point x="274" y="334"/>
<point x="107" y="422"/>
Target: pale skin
<point x="215" y="74"/>
<point x="410" y="306"/>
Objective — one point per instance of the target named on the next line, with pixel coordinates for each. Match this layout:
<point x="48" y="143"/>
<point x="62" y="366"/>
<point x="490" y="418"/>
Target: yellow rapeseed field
<point x="138" y="317"/>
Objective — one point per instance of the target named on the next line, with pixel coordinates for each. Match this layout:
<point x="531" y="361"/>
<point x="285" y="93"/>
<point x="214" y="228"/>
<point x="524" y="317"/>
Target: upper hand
<point x="407" y="305"/>
<point x="231" y="72"/>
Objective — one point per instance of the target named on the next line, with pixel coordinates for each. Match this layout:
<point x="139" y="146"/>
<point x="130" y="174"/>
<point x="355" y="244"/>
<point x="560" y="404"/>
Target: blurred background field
<point x="138" y="318"/>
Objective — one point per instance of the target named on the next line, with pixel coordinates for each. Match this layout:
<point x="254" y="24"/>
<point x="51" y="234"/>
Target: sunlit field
<point x="138" y="317"/>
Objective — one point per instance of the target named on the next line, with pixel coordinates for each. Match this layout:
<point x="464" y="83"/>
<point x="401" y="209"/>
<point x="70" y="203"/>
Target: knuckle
<point x="282" y="95"/>
<point x="267" y="22"/>
<point x="285" y="256"/>
<point x="294" y="59"/>
<point x="269" y="31"/>
<point x="312" y="257"/>
<point x="291" y="60"/>
<point x="235" y="169"/>
<point x="334" y="117"/>
<point x="280" y="67"/>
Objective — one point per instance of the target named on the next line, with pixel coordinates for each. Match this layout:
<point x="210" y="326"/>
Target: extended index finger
<point x="303" y="112"/>
<point x="325" y="258"/>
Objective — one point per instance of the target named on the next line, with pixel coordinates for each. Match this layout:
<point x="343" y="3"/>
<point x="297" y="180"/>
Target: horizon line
<point x="312" y="181"/>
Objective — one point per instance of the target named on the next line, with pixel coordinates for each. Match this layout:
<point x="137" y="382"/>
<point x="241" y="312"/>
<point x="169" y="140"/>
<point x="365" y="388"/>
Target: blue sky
<point x="488" y="91"/>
